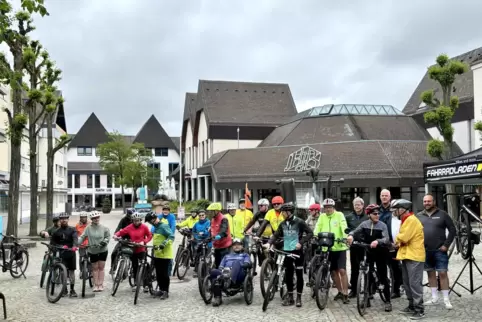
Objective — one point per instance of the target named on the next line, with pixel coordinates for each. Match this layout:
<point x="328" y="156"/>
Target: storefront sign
<point x="460" y="169"/>
<point x="103" y="190"/>
<point x="303" y="159"/>
<point x="180" y="213"/>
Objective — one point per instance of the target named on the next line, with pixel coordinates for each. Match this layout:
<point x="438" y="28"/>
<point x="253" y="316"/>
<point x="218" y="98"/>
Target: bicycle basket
<point x="127" y="251"/>
<point x="326" y="239"/>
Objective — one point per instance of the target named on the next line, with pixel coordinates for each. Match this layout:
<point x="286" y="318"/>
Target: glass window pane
<point x="325" y="109"/>
<point x="371" y="110"/>
<point x="336" y="109"/>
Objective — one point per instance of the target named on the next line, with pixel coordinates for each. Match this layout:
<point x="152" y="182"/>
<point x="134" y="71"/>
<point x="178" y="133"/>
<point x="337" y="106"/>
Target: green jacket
<point x="163" y="234"/>
<point x="96" y="234"/>
<point x="335" y="223"/>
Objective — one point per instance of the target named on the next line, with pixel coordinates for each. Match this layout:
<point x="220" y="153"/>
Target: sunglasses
<point x="276" y="204"/>
<point x="375" y="213"/>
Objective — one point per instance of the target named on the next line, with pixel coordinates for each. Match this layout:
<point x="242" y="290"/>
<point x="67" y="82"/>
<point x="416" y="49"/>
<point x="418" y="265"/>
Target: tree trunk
<point x="33" y="173"/>
<point x="15" y="149"/>
<point x="50" y="172"/>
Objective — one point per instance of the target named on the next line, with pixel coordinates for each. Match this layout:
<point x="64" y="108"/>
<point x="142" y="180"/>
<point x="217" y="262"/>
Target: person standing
<point x="385" y="198"/>
<point x="435" y="223"/>
<point x="411" y="251"/>
<point x="353" y="220"/>
<point x="98" y="237"/>
<point x="243" y="216"/>
<point x="80" y="227"/>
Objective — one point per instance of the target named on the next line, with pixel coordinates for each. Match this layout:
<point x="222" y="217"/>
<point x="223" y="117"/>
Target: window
<point x="97" y="181"/>
<point x="155" y="165"/>
<point x="89" y="181"/>
<point x="69" y="181"/>
<point x="84" y="151"/>
<point x="109" y="181"/>
<point x="77" y="180"/>
<point x="161" y="152"/>
<point x="173" y="166"/>
<point x="203" y="153"/>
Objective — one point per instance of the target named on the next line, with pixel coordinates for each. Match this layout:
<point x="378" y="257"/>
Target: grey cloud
<point x="126" y="60"/>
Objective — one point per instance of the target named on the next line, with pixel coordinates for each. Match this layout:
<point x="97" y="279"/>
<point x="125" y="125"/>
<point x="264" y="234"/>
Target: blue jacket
<point x="385" y="214"/>
<point x="230" y="258"/>
<point x="171" y="219"/>
<point x="201" y="226"/>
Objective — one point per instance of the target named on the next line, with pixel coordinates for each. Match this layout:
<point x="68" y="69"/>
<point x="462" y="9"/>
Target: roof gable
<point x="463" y="85"/>
<point x="91" y="134"/>
<point x="152" y="134"/>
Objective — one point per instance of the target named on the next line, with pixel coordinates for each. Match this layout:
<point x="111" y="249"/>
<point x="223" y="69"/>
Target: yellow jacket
<point x="246" y="214"/>
<point x="410" y="240"/>
<point x="189" y="222"/>
<point x="236" y="226"/>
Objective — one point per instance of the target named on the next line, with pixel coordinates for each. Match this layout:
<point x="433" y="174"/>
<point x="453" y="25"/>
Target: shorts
<point x="70" y="262"/>
<point x="337" y="260"/>
<point x="436" y="260"/>
<point x="101" y="257"/>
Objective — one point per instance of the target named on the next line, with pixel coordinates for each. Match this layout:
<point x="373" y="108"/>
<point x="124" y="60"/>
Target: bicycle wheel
<point x="381" y="290"/>
<point x="464" y="236"/>
<point x="57" y="279"/>
<point x="254" y="262"/>
<point x="362" y="293"/>
<point x="322" y="287"/>
<point x="248" y="289"/>
<point x="270" y="290"/>
<point x="182" y="264"/>
<point x="265" y="274"/>
<point x="176" y="260"/>
<point x="201" y="274"/>
<point x="206" y="292"/>
<point x="130" y="273"/>
<point x="139" y="282"/>
<point x="118" y="275"/>
<point x="18" y="262"/>
<point x="45" y="268"/>
<point x="85" y="276"/>
<point x="391" y="280"/>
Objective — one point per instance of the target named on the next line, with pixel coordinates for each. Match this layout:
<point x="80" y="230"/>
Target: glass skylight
<point x="354" y="109"/>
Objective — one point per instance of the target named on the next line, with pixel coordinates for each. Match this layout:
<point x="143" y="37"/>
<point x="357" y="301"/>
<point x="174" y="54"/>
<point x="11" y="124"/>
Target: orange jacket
<point x="80" y="230"/>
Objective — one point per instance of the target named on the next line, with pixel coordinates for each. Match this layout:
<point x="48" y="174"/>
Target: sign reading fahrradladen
<point x="463" y="169"/>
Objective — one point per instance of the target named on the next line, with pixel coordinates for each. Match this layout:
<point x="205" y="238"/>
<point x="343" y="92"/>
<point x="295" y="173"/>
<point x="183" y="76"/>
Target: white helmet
<point x="328" y="203"/>
<point x="136" y="215"/>
<point x="94" y="214"/>
<point x="83" y="214"/>
<point x="263" y="202"/>
<point x="231" y="206"/>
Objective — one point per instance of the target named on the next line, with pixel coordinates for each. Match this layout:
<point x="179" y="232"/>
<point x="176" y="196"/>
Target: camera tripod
<point x="471" y="263"/>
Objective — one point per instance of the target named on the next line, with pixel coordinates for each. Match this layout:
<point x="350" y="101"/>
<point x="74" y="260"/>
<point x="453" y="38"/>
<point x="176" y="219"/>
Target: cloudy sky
<point x="128" y="59"/>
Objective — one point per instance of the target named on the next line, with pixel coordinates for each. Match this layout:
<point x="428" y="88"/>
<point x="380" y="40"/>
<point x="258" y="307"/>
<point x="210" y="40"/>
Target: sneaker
<point x="417" y="316"/>
<point x="298" y="300"/>
<point x="431" y="302"/>
<point x="346" y="300"/>
<point x="408" y="310"/>
<point x="217" y="301"/>
<point x="194" y="275"/>
<point x="95" y="289"/>
<point x="72" y="293"/>
<point x="388" y="307"/>
<point x="338" y="296"/>
<point x="134" y="288"/>
<point x="146" y="289"/>
<point x="352" y="294"/>
<point x="65" y="292"/>
<point x="288" y="300"/>
<point x="448" y="305"/>
<point x="164" y="296"/>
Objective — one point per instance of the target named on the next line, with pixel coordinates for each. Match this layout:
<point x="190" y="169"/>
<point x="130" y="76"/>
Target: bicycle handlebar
<point x="463" y="194"/>
<point x="285" y="253"/>
<point x="365" y="245"/>
<point x="9" y="236"/>
<point x="56" y="247"/>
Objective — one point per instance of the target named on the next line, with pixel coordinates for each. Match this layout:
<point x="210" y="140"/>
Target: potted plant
<point x="106" y="206"/>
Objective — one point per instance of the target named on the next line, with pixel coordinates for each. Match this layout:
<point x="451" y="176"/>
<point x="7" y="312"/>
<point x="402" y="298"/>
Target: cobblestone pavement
<point x="27" y="302"/>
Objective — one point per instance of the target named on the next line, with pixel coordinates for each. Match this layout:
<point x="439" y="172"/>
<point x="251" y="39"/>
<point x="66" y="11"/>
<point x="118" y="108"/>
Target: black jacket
<point x="123" y="223"/>
<point x="65" y="236"/>
<point x="292" y="231"/>
<point x="434" y="229"/>
<point x="353" y="220"/>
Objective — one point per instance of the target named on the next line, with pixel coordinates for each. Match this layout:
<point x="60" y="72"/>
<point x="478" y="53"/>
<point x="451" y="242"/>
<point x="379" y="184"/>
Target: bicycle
<point x="184" y="254"/>
<point x="123" y="265"/>
<point x="252" y="250"/>
<point x="278" y="275"/>
<point x="319" y="272"/>
<point x="363" y="292"/>
<point x="57" y="273"/>
<point x="86" y="269"/>
<point x="146" y="273"/>
<point x="17" y="258"/>
<point x="267" y="267"/>
<point x="206" y="262"/>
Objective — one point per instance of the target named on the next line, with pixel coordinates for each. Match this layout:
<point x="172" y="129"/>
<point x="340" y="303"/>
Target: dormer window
<point x="161" y="152"/>
<point x="84" y="151"/>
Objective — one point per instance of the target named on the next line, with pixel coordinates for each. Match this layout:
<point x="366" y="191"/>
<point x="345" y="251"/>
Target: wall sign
<point x="103" y="190"/>
<point x="303" y="160"/>
<point x="460" y="169"/>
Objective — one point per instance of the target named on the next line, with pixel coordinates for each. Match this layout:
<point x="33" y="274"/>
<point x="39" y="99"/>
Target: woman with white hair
<point x="353" y="220"/>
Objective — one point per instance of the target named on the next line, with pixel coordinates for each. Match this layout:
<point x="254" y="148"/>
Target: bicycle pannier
<point x="326" y="239"/>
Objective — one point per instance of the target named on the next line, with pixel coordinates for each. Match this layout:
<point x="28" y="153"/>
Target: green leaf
<point x="435" y="148"/>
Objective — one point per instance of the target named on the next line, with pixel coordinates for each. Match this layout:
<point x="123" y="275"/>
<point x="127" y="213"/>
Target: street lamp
<point x="238" y="136"/>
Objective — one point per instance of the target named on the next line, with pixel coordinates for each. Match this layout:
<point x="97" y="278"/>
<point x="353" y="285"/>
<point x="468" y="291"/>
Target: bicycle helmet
<point x="166" y="207"/>
<point x="329" y="203"/>
<point x="129" y="211"/>
<point x="215" y="206"/>
<point x="242" y="200"/>
<point x="64" y="215"/>
<point x="194" y="211"/>
<point x="237" y="241"/>
<point x="150" y="216"/>
<point x="287" y="207"/>
<point x="83" y="214"/>
<point x="55" y="217"/>
<point x="201" y="211"/>
<point x="94" y="214"/>
<point x="315" y="206"/>
<point x="136" y="215"/>
<point x="277" y="200"/>
<point x="263" y="202"/>
<point x="372" y="208"/>
<point x="401" y="203"/>
<point x="231" y="206"/>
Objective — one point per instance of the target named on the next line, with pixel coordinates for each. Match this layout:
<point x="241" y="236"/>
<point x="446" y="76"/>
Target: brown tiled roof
<point x="91" y="134"/>
<point x="340" y="128"/>
<point x="348" y="160"/>
<point x="153" y="135"/>
<point x="464" y="84"/>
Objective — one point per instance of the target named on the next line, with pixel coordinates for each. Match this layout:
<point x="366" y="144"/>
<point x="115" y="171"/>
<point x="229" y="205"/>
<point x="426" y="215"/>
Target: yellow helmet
<point x="216" y="206"/>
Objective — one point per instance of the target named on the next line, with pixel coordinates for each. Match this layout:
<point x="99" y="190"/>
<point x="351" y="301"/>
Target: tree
<point x="36" y="62"/>
<point x="14" y="30"/>
<point x="444" y="73"/>
<point x="478" y="128"/>
<point x="139" y="172"/>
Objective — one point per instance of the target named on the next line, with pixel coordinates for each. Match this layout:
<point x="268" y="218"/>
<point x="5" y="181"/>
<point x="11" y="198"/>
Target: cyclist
<point x="313" y="216"/>
<point x="200" y="231"/>
<point x="236" y="226"/>
<point x="263" y="205"/>
<point x="292" y="230"/>
<point x="97" y="235"/>
<point x="49" y="232"/>
<point x="80" y="227"/>
<point x="332" y="221"/>
<point x="66" y="236"/>
<point x="123" y="223"/>
<point x="411" y="251"/>
<point x="233" y="265"/>
<point x="220" y="233"/>
<point x="375" y="233"/>
<point x="163" y="211"/>
<point x="243" y="217"/>
<point x="163" y="238"/>
<point x="138" y="233"/>
<point x="190" y="221"/>
<point x="273" y="217"/>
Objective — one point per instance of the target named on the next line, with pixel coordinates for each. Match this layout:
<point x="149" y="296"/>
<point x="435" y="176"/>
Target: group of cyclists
<point x="278" y="227"/>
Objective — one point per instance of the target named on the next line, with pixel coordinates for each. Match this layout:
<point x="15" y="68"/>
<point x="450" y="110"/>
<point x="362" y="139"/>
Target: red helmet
<point x="372" y="208"/>
<point x="315" y="206"/>
<point x="277" y="200"/>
